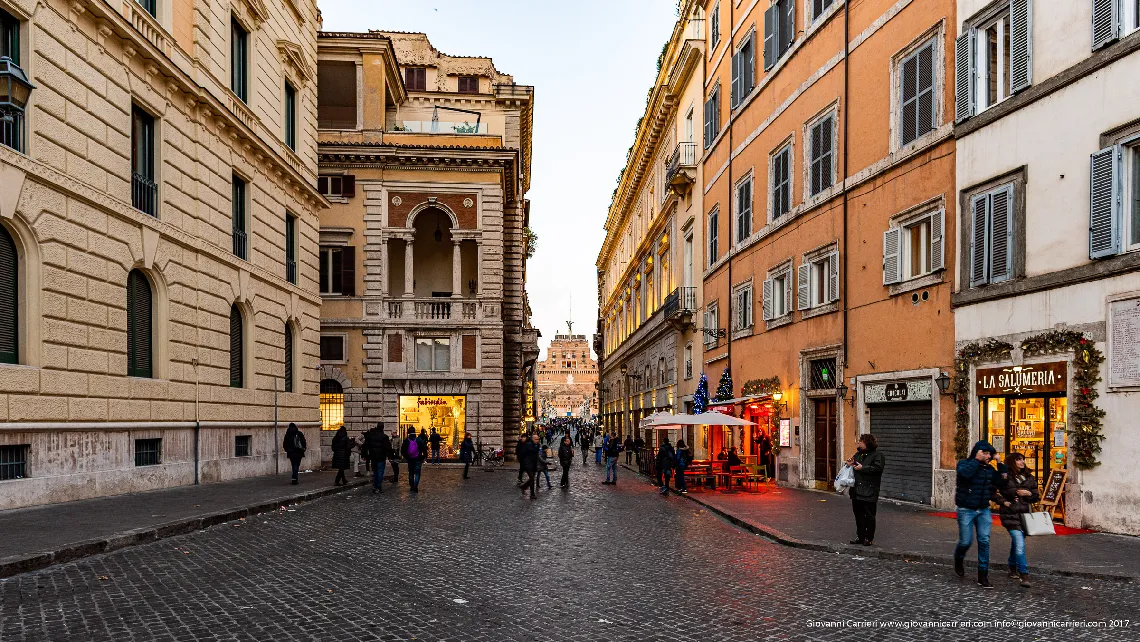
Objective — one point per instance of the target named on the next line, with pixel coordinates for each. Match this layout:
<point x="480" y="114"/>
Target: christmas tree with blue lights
<point x="701" y="396"/>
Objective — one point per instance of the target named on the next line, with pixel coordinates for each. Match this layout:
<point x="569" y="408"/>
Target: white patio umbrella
<point x="708" y="419"/>
<point x="657" y="419"/>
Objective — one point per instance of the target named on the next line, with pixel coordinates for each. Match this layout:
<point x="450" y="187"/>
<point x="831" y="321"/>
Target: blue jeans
<point x="295" y="463"/>
<point x="969" y="521"/>
<point x="378" y="473"/>
<point x="611" y="469"/>
<point x="679" y="482"/>
<point x="546" y="472"/>
<point x="415" y="468"/>
<point x="435" y="455"/>
<point x="597" y="455"/>
<point x="1017" y="552"/>
<point x="666" y="475"/>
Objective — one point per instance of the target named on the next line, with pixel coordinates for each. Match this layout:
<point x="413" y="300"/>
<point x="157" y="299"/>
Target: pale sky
<point x="592" y="63"/>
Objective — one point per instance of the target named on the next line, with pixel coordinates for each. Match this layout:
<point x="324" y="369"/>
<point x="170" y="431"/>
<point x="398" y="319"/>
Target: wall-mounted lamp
<point x="943" y="382"/>
<point x="777" y="400"/>
<point x="841" y="391"/>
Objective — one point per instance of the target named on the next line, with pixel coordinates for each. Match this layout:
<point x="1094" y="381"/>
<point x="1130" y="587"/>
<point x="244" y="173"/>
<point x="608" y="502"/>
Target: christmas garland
<point x="1085" y="416"/>
<point x="760" y="386"/>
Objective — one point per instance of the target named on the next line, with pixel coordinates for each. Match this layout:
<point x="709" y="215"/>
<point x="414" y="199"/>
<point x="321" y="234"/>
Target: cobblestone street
<point x="476" y="561"/>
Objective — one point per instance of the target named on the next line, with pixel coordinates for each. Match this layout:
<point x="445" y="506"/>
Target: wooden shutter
<point x="138" y="325"/>
<point x="237" y="344"/>
<point x="9" y="299"/>
<point x="470" y="351"/>
<point x="348" y="186"/>
<point x="787" y="25"/>
<point x="1020" y="44"/>
<point x="734" y="95"/>
<point x="964" y="76"/>
<point x="1105" y="22"/>
<point x="803" y="287"/>
<point x="708" y="124"/>
<point x="348" y="270"/>
<point x="925" y="95"/>
<point x="771" y="31"/>
<point x="748" y="66"/>
<point x="833" y="277"/>
<point x="288" y="358"/>
<point x="787" y="292"/>
<point x="891" y="268"/>
<point x="766" y="305"/>
<point x="1001" y="234"/>
<point x="1104" y="203"/>
<point x="979" y="210"/>
<point x="909" y="99"/>
<point x="395" y="348"/>
<point x="937" y="233"/>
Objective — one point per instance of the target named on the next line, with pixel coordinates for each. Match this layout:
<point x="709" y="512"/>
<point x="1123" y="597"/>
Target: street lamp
<point x="776" y="400"/>
<point x="841" y="391"/>
<point x="15" y="88"/>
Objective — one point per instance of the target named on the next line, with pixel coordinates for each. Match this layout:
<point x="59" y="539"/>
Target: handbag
<point x="1039" y="523"/>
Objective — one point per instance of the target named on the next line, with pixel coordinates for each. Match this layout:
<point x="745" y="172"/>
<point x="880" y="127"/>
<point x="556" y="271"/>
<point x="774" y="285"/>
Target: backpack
<point x="413" y="449"/>
<point x="297" y="443"/>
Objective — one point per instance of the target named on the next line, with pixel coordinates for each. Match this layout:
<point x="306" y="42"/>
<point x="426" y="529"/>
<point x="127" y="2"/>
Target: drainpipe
<point x="846" y="137"/>
<point x="197" y="422"/>
<point x="731" y="214"/>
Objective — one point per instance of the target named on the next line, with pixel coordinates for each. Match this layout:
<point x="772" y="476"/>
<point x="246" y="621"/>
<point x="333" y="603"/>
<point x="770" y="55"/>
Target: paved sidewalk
<point x="41" y="536"/>
<point x="823" y="521"/>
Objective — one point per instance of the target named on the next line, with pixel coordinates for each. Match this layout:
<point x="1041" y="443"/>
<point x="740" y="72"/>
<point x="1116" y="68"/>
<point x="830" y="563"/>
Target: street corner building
<point x="567" y="380"/>
<point x="426" y="160"/>
<point x="158" y="258"/>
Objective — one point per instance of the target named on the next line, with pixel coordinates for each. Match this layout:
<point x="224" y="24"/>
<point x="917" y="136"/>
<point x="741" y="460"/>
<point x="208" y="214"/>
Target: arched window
<point x="9" y="299"/>
<point x="332" y="404"/>
<point x="140" y="326"/>
<point x="237" y="346"/>
<point x="288" y="358"/>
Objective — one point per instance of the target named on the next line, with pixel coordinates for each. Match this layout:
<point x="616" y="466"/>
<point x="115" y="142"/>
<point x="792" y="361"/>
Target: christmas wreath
<point x="1085" y="416"/>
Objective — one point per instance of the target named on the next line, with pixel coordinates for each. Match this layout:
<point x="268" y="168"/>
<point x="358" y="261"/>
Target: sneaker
<point x="684" y="492"/>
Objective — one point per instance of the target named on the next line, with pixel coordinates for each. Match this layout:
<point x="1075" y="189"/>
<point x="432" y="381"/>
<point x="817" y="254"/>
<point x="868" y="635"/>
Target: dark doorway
<point x="826" y="423"/>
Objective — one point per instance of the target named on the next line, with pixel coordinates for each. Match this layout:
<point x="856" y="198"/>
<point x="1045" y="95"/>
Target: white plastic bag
<point x="845" y="479"/>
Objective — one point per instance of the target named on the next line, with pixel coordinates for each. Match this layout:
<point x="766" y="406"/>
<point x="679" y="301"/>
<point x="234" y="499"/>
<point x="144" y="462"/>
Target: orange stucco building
<point x="825" y="257"/>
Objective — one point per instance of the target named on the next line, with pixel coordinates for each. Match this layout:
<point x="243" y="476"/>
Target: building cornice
<point x="453" y="158"/>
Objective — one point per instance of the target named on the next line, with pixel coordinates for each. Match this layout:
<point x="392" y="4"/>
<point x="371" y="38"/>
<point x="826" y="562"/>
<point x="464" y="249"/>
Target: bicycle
<point x="489" y="457"/>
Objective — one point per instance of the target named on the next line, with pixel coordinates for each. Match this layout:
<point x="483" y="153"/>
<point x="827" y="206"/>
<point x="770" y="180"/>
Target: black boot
<point x="984" y="580"/>
<point x="959" y="567"/>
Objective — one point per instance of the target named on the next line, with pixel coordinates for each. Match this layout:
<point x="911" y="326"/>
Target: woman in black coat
<point x="868" y="463"/>
<point x="565" y="457"/>
<point x="1015" y="494"/>
<point x="341" y="449"/>
<point x="295" y="446"/>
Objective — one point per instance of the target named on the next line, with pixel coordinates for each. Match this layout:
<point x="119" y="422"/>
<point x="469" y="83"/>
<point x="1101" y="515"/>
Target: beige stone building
<point x="425" y="158"/>
<point x="567" y="379"/>
<point x="649" y="300"/>
<point x="158" y="253"/>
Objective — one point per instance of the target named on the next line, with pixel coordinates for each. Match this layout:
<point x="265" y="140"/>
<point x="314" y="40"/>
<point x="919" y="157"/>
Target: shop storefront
<point x="446" y="415"/>
<point x="901" y="419"/>
<point x="1024" y="409"/>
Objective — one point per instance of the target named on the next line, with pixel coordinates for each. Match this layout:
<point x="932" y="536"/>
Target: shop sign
<point x="529" y="401"/>
<point x="1035" y="378"/>
<point x="1124" y="343"/>
<point x="785" y="433"/>
<point x="893" y="391"/>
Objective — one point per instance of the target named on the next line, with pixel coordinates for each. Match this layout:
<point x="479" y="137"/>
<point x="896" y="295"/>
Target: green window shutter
<point x="288" y="358"/>
<point x="237" y="374"/>
<point x="9" y="299"/>
<point x="139" y="326"/>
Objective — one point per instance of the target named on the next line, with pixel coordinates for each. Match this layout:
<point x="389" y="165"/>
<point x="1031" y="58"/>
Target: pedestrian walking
<point x="340" y="450"/>
<point x="666" y="460"/>
<point x="434" y="440"/>
<point x="356" y="452"/>
<point x="684" y="458"/>
<point x="868" y="463"/>
<point x="396" y="451"/>
<point x="628" y="446"/>
<point x="585" y="442"/>
<point x="519" y="447"/>
<point x="528" y="460"/>
<point x="565" y="458"/>
<point x="380" y="450"/>
<point x="422" y="447"/>
<point x="613" y="450"/>
<point x="295" y="446"/>
<point x="1015" y="496"/>
<point x="544" y="456"/>
<point x="599" y="443"/>
<point x="975" y="485"/>
<point x="411" y="453"/>
<point x="466" y="453"/>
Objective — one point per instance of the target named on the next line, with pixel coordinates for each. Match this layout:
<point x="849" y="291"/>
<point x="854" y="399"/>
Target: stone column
<point x="385" y="270"/>
<point x="409" y="277"/>
<point x="456" y="269"/>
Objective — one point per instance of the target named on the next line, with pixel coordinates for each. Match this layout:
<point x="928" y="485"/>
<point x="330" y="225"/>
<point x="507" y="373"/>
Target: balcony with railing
<point x="432" y="310"/>
<point x="440" y="127"/>
<point x="680" y="306"/>
<point x="681" y="171"/>
<point x="291" y="271"/>
<point x="12" y="129"/>
<point x="239" y="243"/>
<point x="144" y="194"/>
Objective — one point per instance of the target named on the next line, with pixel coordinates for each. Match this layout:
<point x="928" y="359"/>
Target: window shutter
<point x="1104" y="203"/>
<point x="1105" y="22"/>
<point x="348" y="270"/>
<point x="771" y="30"/>
<point x="833" y="277"/>
<point x="803" y="286"/>
<point x="138" y="325"/>
<point x="348" y="186"/>
<point x="748" y="65"/>
<point x="1001" y="235"/>
<point x="1020" y="44"/>
<point x="767" y="303"/>
<point x="979" y="207"/>
<point x="826" y="136"/>
<point x="926" y="95"/>
<point x="237" y="376"/>
<point x="891" y="269"/>
<point x="288" y="359"/>
<point x="937" y="254"/>
<point x="734" y="97"/>
<point x="787" y="25"/>
<point x="9" y="299"/>
<point x="788" y="294"/>
<point x="909" y="99"/>
<point x="964" y="76"/>
<point x="708" y="123"/>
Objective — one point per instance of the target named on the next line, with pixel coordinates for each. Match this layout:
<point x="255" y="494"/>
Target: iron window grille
<point x="148" y="452"/>
<point x="239" y="229"/>
<point x="332" y="404"/>
<point x="243" y="446"/>
<point x="12" y="122"/>
<point x="14" y="462"/>
<point x="291" y="248"/>
<point x="823" y="375"/>
<point x="144" y="189"/>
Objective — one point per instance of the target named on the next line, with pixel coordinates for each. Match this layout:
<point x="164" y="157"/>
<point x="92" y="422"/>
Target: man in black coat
<point x="528" y="462"/>
<point x="379" y="449"/>
<point x="868" y="463"/>
<point x="518" y="454"/>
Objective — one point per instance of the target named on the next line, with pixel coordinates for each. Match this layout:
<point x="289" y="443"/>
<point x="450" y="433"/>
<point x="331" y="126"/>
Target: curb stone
<point x="784" y="539"/>
<point x="17" y="565"/>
